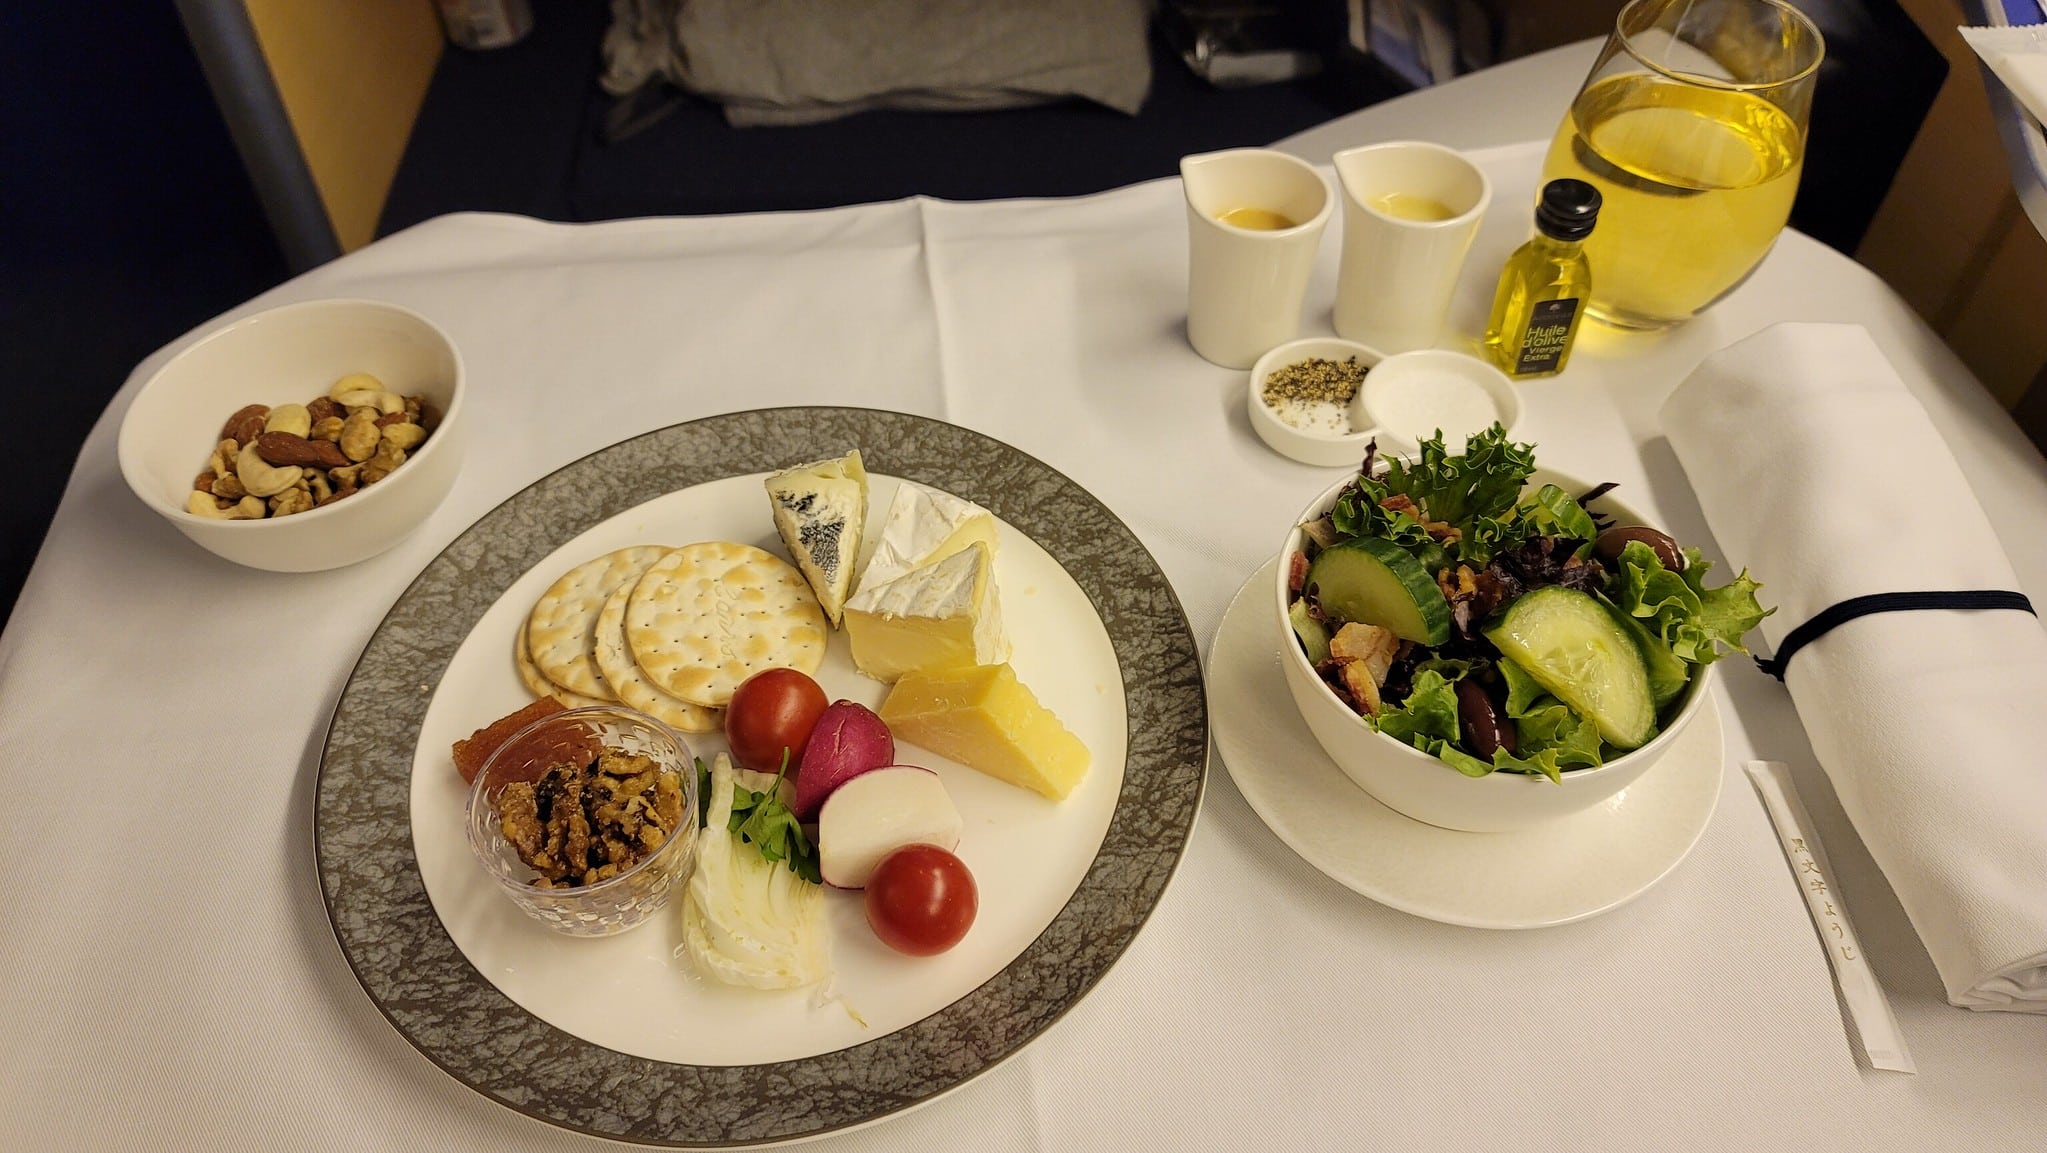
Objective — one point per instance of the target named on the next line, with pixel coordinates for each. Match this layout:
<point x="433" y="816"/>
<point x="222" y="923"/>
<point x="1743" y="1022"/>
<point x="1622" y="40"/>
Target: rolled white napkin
<point x="1818" y="470"/>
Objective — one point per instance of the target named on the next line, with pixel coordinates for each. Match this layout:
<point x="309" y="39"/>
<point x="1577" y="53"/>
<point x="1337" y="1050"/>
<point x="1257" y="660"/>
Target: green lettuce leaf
<point x="1475" y="492"/>
<point x="1689" y="617"/>
<point x="1555" y="737"/>
<point x="1430" y="711"/>
<point x="1522" y="690"/>
<point x="1552" y="738"/>
<point x="1485" y="480"/>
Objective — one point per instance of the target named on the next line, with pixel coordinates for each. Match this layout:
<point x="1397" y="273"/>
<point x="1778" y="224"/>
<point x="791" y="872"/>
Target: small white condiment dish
<point x="1410" y="396"/>
<point x="1330" y="449"/>
<point x="1412" y="782"/>
<point x="290" y="355"/>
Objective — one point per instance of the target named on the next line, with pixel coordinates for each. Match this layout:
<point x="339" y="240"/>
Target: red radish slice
<point x="878" y="812"/>
<point x="849" y="740"/>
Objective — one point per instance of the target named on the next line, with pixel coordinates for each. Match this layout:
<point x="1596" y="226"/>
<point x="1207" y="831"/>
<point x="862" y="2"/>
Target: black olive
<point x="1613" y="540"/>
<point x="1480" y="720"/>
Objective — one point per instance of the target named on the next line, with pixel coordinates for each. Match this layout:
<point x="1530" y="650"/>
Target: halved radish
<point x="878" y="812"/>
<point x="849" y="740"/>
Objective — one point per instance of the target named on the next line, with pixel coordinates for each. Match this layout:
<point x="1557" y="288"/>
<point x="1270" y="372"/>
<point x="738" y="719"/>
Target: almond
<point x="282" y="448"/>
<point x="246" y="424"/>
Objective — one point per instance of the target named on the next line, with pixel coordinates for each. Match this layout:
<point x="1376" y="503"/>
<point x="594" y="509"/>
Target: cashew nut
<point x="248" y="508"/>
<point x="404" y="434"/>
<point x="359" y="436"/>
<point x="385" y="403"/>
<point x="262" y="478"/>
<point x="354" y="382"/>
<point x="291" y="418"/>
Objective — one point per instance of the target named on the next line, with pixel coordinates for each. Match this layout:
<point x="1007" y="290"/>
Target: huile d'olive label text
<point x="1549" y="336"/>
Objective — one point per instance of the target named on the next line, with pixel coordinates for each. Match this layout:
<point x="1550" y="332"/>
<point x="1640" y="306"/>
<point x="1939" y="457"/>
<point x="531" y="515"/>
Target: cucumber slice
<point x="1568" y="642"/>
<point x="1376" y="582"/>
<point x="1668" y="674"/>
<point x="1313" y="633"/>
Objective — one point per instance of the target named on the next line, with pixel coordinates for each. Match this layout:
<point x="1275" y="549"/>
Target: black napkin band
<point x="1823" y="623"/>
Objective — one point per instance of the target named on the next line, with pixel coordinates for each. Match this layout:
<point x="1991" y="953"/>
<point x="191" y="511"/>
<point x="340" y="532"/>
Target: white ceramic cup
<point x="1245" y="286"/>
<point x="1394" y="284"/>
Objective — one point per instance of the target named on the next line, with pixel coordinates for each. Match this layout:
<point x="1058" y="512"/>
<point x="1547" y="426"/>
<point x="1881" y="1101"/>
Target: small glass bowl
<point x="610" y="906"/>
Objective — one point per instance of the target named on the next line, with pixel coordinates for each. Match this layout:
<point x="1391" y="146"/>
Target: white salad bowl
<point x="292" y="354"/>
<point x="1412" y="782"/>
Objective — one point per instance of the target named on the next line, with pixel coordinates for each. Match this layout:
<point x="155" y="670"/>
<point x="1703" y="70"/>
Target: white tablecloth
<point x="168" y="977"/>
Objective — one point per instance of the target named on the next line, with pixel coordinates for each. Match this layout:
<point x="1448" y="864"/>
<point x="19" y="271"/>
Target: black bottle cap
<point x="1568" y="209"/>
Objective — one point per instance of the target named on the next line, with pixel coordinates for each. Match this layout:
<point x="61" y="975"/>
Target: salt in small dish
<point x="1410" y="396"/>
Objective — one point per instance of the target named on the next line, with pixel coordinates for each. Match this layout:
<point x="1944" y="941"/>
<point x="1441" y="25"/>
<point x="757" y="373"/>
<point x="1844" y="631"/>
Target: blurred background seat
<point x="131" y="219"/>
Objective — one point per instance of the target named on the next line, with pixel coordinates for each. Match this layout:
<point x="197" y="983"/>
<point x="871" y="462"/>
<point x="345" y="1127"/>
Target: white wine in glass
<point x="1692" y="126"/>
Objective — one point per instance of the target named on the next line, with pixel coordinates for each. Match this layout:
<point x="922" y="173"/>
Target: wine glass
<point x="1692" y="126"/>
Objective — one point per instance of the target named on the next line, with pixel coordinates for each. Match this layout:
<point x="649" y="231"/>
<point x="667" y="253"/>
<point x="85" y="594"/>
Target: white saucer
<point x="1564" y="871"/>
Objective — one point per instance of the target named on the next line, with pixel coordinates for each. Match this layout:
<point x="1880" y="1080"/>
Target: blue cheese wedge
<point x="944" y="615"/>
<point x="820" y="510"/>
<point x="924" y="526"/>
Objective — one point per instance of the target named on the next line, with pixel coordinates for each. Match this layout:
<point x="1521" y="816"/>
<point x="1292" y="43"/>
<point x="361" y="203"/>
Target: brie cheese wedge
<point x="924" y="526"/>
<point x="820" y="510"/>
<point x="941" y="616"/>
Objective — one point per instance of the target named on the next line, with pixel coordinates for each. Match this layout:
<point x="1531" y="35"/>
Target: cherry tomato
<point x="921" y="900"/>
<point x="772" y="710"/>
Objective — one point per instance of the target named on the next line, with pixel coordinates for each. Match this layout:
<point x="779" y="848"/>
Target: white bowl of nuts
<point x="304" y="437"/>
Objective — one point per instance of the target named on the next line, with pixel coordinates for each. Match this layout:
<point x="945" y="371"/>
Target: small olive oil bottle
<point x="1544" y="287"/>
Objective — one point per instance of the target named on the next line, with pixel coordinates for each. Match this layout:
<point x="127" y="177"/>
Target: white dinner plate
<point x="1027" y="853"/>
<point x="1552" y="874"/>
<point x="617" y="1037"/>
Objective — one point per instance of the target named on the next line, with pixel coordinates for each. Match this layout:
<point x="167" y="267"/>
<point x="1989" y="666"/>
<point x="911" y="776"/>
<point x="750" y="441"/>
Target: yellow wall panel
<point x="352" y="74"/>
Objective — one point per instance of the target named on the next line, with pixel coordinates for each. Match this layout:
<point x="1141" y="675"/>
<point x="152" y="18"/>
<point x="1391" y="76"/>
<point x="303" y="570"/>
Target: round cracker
<point x="624" y="676"/>
<point x="561" y="631"/>
<point x="708" y="615"/>
<point x="536" y="682"/>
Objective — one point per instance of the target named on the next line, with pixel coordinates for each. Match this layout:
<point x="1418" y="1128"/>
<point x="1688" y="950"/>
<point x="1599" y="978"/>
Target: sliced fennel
<point x="747" y="920"/>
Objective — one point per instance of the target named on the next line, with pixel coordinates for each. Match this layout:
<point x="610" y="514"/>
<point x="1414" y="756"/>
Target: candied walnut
<point x="519" y="816"/>
<point x="591" y="819"/>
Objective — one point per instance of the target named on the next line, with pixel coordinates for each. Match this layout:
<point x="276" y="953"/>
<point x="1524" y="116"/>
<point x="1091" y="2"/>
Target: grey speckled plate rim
<point x="422" y="983"/>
